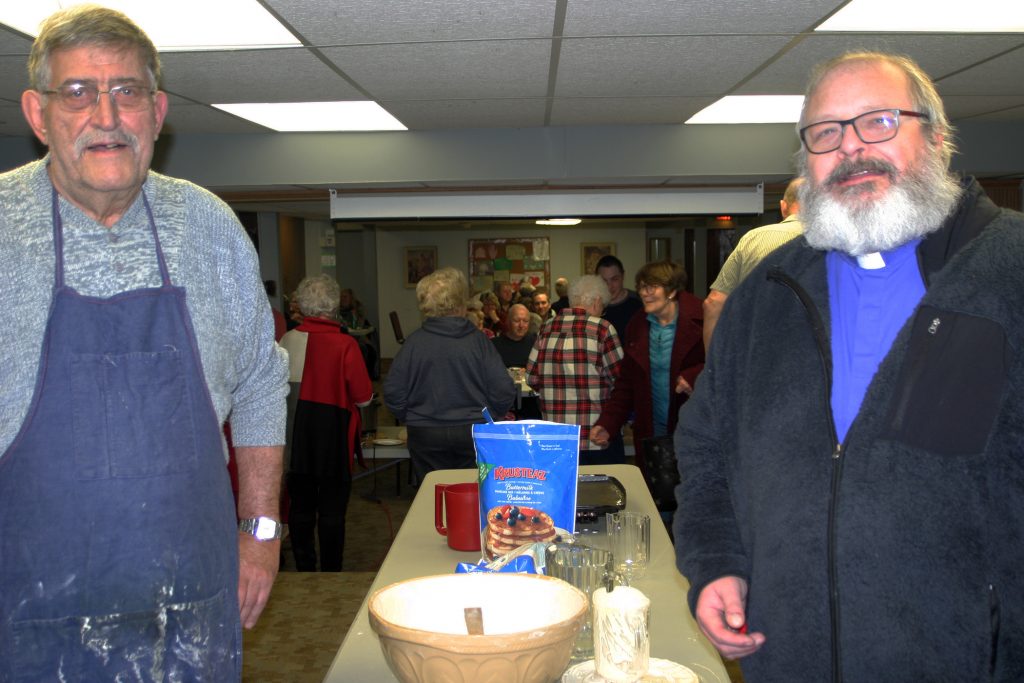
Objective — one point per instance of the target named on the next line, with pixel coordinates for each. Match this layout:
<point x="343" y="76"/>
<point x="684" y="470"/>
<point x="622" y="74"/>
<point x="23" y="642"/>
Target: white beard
<point x="916" y="204"/>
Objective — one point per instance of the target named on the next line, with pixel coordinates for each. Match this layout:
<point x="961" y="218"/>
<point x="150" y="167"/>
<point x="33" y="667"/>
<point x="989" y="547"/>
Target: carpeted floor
<point x="309" y="613"/>
<point x="302" y="627"/>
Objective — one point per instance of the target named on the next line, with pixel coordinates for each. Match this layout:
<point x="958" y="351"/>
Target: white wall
<point x="269" y="253"/>
<point x="453" y="250"/>
<point x="317" y="233"/>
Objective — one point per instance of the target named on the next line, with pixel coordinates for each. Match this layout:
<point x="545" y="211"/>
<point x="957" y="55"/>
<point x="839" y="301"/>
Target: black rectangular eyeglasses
<point x="871" y="127"/>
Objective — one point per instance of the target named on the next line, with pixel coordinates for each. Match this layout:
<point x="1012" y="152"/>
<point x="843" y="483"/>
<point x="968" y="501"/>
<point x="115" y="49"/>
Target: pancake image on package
<point x="509" y="527"/>
<point x="527" y="475"/>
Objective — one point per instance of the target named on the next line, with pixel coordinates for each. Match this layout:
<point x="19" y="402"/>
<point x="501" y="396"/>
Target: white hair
<point x="588" y="289"/>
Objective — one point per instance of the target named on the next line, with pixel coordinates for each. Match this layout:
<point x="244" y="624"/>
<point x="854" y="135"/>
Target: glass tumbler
<point x="629" y="539"/>
<point x="584" y="568"/>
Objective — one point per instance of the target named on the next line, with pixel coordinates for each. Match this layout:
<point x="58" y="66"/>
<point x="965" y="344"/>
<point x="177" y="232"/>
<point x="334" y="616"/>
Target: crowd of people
<point x="847" y="454"/>
<point x="568" y="355"/>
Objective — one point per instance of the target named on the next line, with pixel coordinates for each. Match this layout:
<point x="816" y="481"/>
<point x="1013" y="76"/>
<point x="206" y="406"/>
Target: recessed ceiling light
<point x="941" y="16"/>
<point x="559" y="221"/>
<point x="175" y="26"/>
<point x="316" y="116"/>
<point x="751" y="109"/>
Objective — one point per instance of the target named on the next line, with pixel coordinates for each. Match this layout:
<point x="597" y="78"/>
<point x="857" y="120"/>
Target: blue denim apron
<point x="118" y="543"/>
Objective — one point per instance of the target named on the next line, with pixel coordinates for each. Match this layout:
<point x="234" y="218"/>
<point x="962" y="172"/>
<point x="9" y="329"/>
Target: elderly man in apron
<point x="141" y="325"/>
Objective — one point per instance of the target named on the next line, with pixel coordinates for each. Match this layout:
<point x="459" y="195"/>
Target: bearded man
<point x="852" y="504"/>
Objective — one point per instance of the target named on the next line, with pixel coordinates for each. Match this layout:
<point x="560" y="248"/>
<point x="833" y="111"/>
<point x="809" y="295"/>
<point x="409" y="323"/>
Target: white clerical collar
<point x="872" y="261"/>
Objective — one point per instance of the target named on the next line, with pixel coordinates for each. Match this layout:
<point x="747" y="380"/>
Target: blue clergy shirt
<point x="870" y="297"/>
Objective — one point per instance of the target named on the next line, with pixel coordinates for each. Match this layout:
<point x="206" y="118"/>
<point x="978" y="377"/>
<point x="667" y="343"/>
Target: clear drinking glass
<point x="629" y="539"/>
<point x="584" y="568"/>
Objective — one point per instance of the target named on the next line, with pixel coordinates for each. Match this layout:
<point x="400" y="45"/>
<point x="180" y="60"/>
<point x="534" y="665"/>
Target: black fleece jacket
<point x="897" y="555"/>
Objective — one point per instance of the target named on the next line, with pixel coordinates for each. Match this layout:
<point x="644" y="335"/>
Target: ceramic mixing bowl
<point x="529" y="625"/>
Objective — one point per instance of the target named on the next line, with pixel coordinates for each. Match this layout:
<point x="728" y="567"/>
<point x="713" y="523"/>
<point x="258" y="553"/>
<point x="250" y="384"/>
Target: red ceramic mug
<point x="459" y="506"/>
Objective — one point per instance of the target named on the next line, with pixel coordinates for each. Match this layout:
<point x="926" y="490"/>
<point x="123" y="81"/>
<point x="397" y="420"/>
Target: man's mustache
<point x="850" y="167"/>
<point x="100" y="138"/>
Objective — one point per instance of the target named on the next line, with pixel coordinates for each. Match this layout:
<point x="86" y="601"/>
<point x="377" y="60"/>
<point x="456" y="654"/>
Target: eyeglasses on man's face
<point x="78" y="97"/>
<point x="871" y="127"/>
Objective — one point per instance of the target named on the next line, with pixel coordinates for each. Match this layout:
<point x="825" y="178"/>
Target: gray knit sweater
<point x="207" y="252"/>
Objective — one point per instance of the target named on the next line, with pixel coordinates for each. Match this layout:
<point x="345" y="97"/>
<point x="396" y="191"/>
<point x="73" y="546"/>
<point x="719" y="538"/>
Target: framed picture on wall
<point x="659" y="249"/>
<point x="419" y="263"/>
<point x="591" y="253"/>
<point x="515" y="260"/>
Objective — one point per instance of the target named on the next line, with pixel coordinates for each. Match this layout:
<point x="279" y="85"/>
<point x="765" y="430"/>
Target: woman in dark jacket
<point x="663" y="356"/>
<point x="444" y="375"/>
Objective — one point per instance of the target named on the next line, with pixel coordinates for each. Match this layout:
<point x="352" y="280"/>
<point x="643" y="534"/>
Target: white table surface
<point x="418" y="550"/>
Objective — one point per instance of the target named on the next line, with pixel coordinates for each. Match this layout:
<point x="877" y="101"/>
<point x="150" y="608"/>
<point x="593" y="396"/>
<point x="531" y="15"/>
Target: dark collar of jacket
<point x="448" y="326"/>
<point x="972" y="214"/>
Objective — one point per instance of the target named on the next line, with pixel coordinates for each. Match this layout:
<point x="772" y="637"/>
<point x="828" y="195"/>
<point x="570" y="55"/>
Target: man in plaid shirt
<point x="573" y="364"/>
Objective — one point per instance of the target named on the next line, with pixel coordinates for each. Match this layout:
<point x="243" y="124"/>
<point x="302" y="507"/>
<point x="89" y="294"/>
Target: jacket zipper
<point x="825" y="353"/>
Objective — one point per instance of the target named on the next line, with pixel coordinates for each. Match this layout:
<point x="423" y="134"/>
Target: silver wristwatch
<point x="263" y="528"/>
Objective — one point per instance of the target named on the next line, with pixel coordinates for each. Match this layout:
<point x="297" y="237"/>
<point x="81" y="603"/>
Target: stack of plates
<point x="660" y="671"/>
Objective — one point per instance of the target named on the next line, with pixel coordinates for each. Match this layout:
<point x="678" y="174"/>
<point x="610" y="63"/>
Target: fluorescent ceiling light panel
<point x="175" y="26"/>
<point x="316" y="116"/>
<point x="939" y="16"/>
<point x="751" y="109"/>
<point x="559" y="221"/>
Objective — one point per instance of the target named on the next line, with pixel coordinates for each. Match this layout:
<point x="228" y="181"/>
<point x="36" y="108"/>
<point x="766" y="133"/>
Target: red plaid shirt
<point x="572" y="367"/>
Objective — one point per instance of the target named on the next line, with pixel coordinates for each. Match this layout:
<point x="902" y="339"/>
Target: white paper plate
<point x="388" y="442"/>
<point x="659" y="669"/>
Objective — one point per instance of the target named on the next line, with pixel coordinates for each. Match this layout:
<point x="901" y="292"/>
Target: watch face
<point x="266" y="529"/>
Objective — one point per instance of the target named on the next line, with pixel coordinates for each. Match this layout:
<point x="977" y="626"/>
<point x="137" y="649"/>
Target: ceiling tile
<point x="487" y="69"/>
<point x="1003" y="75"/>
<point x="672" y="17"/>
<point x="979" y="107"/>
<point x="281" y="75"/>
<point x="183" y="116"/>
<point x="357" y="22"/>
<point x="603" y="111"/>
<point x="12" y="43"/>
<point x="651" y="67"/>
<point x="937" y="54"/>
<point x="497" y="113"/>
<point x="1015" y="114"/>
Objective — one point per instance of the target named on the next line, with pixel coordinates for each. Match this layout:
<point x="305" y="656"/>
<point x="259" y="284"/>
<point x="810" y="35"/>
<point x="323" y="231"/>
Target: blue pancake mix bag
<point x="527" y="472"/>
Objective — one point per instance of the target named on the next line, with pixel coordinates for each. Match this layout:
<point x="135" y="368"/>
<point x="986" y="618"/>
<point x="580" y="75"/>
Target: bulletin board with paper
<point x="513" y="260"/>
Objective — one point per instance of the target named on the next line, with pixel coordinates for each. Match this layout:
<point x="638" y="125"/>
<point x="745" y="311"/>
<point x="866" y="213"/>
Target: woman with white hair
<point x="444" y="375"/>
<point x="329" y="383"/>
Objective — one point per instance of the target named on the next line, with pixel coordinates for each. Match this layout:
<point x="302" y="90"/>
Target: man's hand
<point x="721" y="615"/>
<point x="682" y="386"/>
<point x="258" y="564"/>
<point x="599" y="436"/>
